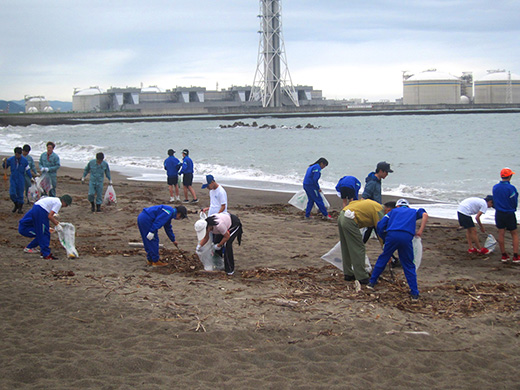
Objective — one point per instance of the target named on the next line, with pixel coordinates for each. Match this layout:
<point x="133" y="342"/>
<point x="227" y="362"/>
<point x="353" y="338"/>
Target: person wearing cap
<point x="348" y="189"/>
<point x="225" y="228"/>
<point x="217" y="197"/>
<point x="98" y="169"/>
<point x="187" y="178"/>
<point x="150" y="220"/>
<point x="397" y="229"/>
<point x="505" y="199"/>
<point x="312" y="188"/>
<point x="19" y="168"/>
<point x="172" y="166"/>
<point x="35" y="224"/>
<point x="50" y="163"/>
<point x="373" y="182"/>
<point x="467" y="208"/>
<point x="28" y="176"/>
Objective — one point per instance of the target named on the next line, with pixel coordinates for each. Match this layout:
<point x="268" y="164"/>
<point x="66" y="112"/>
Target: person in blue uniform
<point x="505" y="200"/>
<point x="19" y="168"/>
<point x="312" y="188"/>
<point x="172" y="165"/>
<point x="187" y="178"/>
<point x="50" y="163"/>
<point x="397" y="229"/>
<point x="98" y="169"/>
<point x="28" y="176"/>
<point x="348" y="189"/>
<point x="150" y="220"/>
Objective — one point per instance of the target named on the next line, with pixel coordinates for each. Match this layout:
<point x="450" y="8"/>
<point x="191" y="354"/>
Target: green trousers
<point x="352" y="248"/>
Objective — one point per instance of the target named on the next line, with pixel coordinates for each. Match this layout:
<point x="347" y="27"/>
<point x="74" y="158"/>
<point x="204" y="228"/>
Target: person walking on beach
<point x="187" y="178"/>
<point x="98" y="169"/>
<point x="312" y="188"/>
<point x="150" y="220"/>
<point x="225" y="228"/>
<point x="35" y="224"/>
<point x="505" y="200"/>
<point x="217" y="197"/>
<point x="356" y="215"/>
<point x="50" y="163"/>
<point x="28" y="177"/>
<point x="19" y="168"/>
<point x="172" y="165"/>
<point x="477" y="207"/>
<point x="348" y="189"/>
<point x="397" y="229"/>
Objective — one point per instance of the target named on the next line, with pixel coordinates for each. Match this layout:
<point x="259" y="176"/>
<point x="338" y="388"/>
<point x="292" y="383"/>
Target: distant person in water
<point x="312" y="188"/>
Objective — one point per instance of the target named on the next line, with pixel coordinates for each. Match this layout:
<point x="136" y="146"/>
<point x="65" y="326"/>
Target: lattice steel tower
<point x="272" y="83"/>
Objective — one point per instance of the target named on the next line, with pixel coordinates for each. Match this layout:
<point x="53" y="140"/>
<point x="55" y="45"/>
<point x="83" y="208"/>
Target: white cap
<point x="402" y="202"/>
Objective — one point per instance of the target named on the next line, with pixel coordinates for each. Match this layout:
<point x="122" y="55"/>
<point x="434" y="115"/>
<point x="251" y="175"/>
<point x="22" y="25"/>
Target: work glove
<point x="217" y="247"/>
<point x="58" y="228"/>
<point x="150" y="236"/>
<point x="82" y="180"/>
<point x="197" y="249"/>
<point x="45" y="169"/>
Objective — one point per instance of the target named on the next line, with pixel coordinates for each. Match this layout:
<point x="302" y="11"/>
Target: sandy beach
<point x="285" y="320"/>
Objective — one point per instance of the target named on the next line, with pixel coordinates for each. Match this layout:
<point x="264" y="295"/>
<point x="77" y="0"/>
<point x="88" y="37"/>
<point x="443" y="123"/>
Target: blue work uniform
<point x="150" y="220"/>
<point x="397" y="228"/>
<point x="505" y="197"/>
<point x="52" y="162"/>
<point x="19" y="168"/>
<point x="97" y="175"/>
<point x="349" y="182"/>
<point x="187" y="165"/>
<point x="312" y="189"/>
<point x="172" y="165"/>
<point x="29" y="176"/>
<point x="372" y="188"/>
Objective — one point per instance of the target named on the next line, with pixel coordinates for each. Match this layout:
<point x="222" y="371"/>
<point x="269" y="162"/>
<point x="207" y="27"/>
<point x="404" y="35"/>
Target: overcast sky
<point x="347" y="49"/>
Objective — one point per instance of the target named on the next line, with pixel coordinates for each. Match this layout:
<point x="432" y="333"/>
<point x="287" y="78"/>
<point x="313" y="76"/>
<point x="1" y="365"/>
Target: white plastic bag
<point x="299" y="200"/>
<point x="33" y="193"/>
<point x="209" y="259"/>
<point x="417" y="251"/>
<point x="334" y="257"/>
<point x="490" y="243"/>
<point x="45" y="183"/>
<point x="67" y="238"/>
<point x="110" y="196"/>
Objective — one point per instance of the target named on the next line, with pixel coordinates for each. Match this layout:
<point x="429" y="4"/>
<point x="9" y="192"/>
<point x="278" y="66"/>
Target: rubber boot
<point x="15" y="207"/>
<point x="92" y="207"/>
<point x="20" y="206"/>
<point x="98" y="208"/>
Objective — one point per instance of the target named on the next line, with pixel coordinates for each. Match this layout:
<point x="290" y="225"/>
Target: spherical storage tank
<point x="497" y="87"/>
<point x="432" y="87"/>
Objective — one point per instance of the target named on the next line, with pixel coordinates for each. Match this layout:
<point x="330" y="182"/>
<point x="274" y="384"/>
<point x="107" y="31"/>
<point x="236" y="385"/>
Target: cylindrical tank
<point x="497" y="87"/>
<point x="432" y="87"/>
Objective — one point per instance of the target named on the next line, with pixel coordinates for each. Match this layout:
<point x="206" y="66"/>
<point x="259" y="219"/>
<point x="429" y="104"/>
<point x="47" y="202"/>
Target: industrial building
<point x="498" y="87"/>
<point x="34" y="104"/>
<point x="432" y="87"/>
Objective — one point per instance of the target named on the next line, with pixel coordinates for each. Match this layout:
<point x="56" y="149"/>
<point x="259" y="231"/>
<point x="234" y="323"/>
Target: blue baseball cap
<point x="209" y="179"/>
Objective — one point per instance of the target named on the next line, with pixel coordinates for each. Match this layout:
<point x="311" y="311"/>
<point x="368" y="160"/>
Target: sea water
<point x="439" y="158"/>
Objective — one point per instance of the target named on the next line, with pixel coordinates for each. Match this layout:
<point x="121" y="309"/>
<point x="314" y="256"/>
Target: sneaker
<point x="186" y="201"/>
<point x="178" y="198"/>
<point x="49" y="257"/>
<point x="159" y="264"/>
<point x="31" y="250"/>
<point x="483" y="251"/>
<point x="349" y="278"/>
<point x="195" y="201"/>
<point x="327" y="217"/>
<point x="371" y="286"/>
<point x="172" y="199"/>
<point x="505" y="258"/>
<point x="395" y="263"/>
<point x="472" y="250"/>
<point x="364" y="281"/>
<point x="230" y="273"/>
<point x="414" y="297"/>
<point x="516" y="259"/>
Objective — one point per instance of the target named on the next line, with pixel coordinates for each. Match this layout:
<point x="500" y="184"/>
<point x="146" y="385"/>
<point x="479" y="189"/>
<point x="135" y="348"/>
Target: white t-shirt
<point x="472" y="206"/>
<point x="217" y="197"/>
<point x="223" y="223"/>
<point x="49" y="204"/>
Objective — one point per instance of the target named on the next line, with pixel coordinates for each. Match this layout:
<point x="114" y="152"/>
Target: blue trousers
<point x="35" y="223"/>
<point x="95" y="191"/>
<point x="402" y="242"/>
<point x="314" y="196"/>
<point x="16" y="188"/>
<point x="144" y="222"/>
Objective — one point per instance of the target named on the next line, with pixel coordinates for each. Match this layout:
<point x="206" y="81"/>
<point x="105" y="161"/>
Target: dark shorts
<point x="347" y="192"/>
<point x="187" y="179"/>
<point x="505" y="220"/>
<point x="173" y="180"/>
<point x="465" y="221"/>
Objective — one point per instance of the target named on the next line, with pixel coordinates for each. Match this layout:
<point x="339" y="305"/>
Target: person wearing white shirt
<point x="467" y="208"/>
<point x="217" y="196"/>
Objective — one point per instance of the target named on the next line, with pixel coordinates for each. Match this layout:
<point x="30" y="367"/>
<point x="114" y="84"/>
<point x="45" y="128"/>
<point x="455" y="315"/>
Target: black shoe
<point x="414" y="297"/>
<point x="195" y="201"/>
<point x="371" y="286"/>
<point x="350" y="278"/>
<point x="92" y="207"/>
<point x="15" y="207"/>
<point x="98" y="208"/>
<point x="20" y="206"/>
<point x="395" y="263"/>
<point x="364" y="281"/>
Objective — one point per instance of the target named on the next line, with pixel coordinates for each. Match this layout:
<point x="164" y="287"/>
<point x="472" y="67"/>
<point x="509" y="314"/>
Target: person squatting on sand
<point x="505" y="199"/>
<point x="187" y="176"/>
<point x="312" y="188"/>
<point x="150" y="220"/>
<point x="28" y="175"/>
<point x="50" y="163"/>
<point x="397" y="229"/>
<point x="225" y="228"/>
<point x="477" y="207"/>
<point x="97" y="168"/>
<point x="172" y="166"/>
<point x="19" y="168"/>
<point x="217" y="196"/>
<point x="348" y="189"/>
<point x="35" y="224"/>
<point x="358" y="214"/>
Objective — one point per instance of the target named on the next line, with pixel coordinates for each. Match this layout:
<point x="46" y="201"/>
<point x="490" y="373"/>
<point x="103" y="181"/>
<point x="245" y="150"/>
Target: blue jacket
<point x="400" y="218"/>
<point x="172" y="165"/>
<point x="312" y="176"/>
<point x="19" y="168"/>
<point x="161" y="216"/>
<point x="349" y="182"/>
<point x="505" y="197"/>
<point x="372" y="188"/>
<point x="187" y="165"/>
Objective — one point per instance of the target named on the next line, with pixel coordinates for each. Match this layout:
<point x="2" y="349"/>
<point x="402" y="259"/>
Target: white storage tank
<point x="497" y="87"/>
<point x="432" y="87"/>
<point x="90" y="99"/>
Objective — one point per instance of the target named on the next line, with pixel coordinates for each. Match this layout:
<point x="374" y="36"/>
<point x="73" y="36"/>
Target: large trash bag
<point x="334" y="257"/>
<point x="490" y="243"/>
<point x="299" y="200"/>
<point x="67" y="238"/>
<point x="45" y="183"/>
<point x="33" y="193"/>
<point x="110" y="196"/>
<point x="417" y="251"/>
<point x="211" y="260"/>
